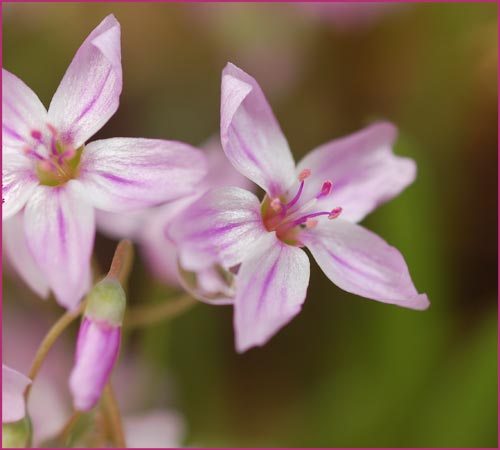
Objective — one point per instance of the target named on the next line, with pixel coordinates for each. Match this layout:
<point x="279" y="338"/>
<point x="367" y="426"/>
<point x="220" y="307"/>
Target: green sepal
<point x="107" y="302"/>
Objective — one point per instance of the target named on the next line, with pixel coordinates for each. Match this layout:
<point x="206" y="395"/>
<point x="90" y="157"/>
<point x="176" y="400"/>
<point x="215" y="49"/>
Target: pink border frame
<point x="298" y="1"/>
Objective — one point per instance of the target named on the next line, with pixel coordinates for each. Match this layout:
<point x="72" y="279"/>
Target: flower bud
<point x="17" y="434"/>
<point x="98" y="343"/>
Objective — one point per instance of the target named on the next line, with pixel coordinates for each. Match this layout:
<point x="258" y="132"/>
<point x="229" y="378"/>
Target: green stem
<point x="148" y="315"/>
<point x="48" y="341"/>
<point x="113" y="413"/>
<point x="65" y="434"/>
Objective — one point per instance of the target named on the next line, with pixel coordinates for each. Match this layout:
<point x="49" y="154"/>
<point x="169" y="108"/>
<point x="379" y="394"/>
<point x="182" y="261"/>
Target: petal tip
<point x="387" y="131"/>
<point x="421" y="302"/>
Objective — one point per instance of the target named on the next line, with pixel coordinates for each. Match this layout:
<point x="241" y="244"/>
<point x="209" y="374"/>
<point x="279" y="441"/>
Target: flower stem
<point x="122" y="261"/>
<point x="113" y="413"/>
<point x="152" y="314"/>
<point x="65" y="434"/>
<point x="48" y="341"/>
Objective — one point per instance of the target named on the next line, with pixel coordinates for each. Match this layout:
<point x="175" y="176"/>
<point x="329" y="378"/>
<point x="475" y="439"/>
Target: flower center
<point x="56" y="163"/>
<point x="287" y="219"/>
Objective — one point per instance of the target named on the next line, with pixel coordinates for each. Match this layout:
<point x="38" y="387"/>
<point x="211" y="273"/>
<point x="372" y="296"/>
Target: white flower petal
<point x="123" y="174"/>
<point x="60" y="227"/>
<point x="271" y="286"/>
<point x="251" y="135"/>
<point x="22" y="113"/>
<point x="363" y="168"/>
<point x="89" y="92"/>
<point x="362" y="263"/>
<point x="18" y="254"/>
<point x="219" y="228"/>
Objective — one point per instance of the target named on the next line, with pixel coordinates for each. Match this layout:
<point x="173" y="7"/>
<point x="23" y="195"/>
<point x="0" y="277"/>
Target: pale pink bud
<point x="97" y="344"/>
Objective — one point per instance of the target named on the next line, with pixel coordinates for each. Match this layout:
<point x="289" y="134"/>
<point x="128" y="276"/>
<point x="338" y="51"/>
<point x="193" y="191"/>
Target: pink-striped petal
<point x="148" y="226"/>
<point x="22" y="113"/>
<point x="60" y="227"/>
<point x="96" y="353"/>
<point x="363" y="168"/>
<point x="123" y="174"/>
<point x="13" y="386"/>
<point x="19" y="182"/>
<point x="19" y="256"/>
<point x="221" y="227"/>
<point x="90" y="90"/>
<point x="250" y="134"/>
<point x="271" y="287"/>
<point x="360" y="262"/>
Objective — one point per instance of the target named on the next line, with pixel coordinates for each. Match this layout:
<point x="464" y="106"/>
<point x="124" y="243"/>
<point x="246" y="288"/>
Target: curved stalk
<point x="48" y="341"/>
<point x="141" y="316"/>
<point x="113" y="413"/>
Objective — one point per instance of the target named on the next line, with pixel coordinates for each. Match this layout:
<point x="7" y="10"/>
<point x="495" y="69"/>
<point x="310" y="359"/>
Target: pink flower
<point x="149" y="227"/>
<point x="315" y="205"/>
<point x="57" y="181"/>
<point x="13" y="387"/>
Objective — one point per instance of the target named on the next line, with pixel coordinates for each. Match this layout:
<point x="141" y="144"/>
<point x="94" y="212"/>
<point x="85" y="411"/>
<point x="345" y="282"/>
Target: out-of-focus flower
<point x="13" y="386"/>
<point x="59" y="181"/>
<point x="315" y="205"/>
<point x="25" y="332"/>
<point x="98" y="343"/>
<point x="276" y="54"/>
<point x="22" y="334"/>
<point x="346" y="16"/>
<point x="154" y="429"/>
<point x="149" y="228"/>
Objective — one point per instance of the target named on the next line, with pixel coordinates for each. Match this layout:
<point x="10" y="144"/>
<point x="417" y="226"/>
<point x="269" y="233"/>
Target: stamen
<point x="52" y="130"/>
<point x="334" y="213"/>
<point x="53" y="146"/>
<point x="326" y="189"/>
<point x="285" y="218"/>
<point x="305" y="218"/>
<point x="30" y="152"/>
<point x="68" y="154"/>
<point x="35" y="134"/>
<point x="303" y="175"/>
<point x="306" y="173"/>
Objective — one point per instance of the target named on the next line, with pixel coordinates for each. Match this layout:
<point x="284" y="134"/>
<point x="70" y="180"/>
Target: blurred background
<point x="347" y="372"/>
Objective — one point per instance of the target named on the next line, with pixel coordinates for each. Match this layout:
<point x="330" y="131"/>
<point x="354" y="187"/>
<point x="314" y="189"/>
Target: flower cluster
<point x="193" y="212"/>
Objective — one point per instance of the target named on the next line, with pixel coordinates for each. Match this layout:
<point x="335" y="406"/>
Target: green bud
<point x="107" y="302"/>
<point x="17" y="434"/>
